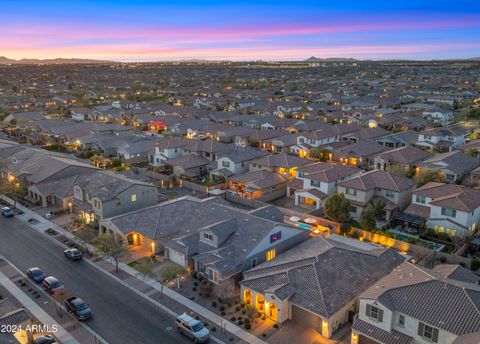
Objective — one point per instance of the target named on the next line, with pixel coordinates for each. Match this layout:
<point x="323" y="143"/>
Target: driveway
<point x="290" y="332"/>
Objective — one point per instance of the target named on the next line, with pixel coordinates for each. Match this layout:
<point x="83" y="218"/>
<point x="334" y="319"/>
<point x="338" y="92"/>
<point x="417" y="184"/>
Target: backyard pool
<point x="405" y="237"/>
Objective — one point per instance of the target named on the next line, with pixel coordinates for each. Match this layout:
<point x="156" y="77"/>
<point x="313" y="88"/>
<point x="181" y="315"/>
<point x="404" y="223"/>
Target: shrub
<point x="443" y="260"/>
<point x="475" y="264"/>
<point x="214" y="303"/>
<point x="242" y="304"/>
<point x="240" y="322"/>
<point x="264" y="317"/>
<point x="205" y="324"/>
<point x="221" y="308"/>
<point x="214" y="329"/>
<point x="247" y="326"/>
<point x="195" y="283"/>
<point x="194" y="274"/>
<point x="197" y="317"/>
<point x="194" y="289"/>
<point x="275" y="325"/>
<point x="237" y="308"/>
<point x="222" y="314"/>
<point x="233" y="318"/>
<point x="244" y="311"/>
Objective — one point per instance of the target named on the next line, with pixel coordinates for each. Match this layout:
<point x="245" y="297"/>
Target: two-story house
<point x="393" y="190"/>
<point x="101" y="195"/>
<point x="167" y="148"/>
<point x="283" y="163"/>
<point x="315" y="182"/>
<point x="441" y="139"/>
<point x="236" y="161"/>
<point x="416" y="305"/>
<point x="447" y="208"/>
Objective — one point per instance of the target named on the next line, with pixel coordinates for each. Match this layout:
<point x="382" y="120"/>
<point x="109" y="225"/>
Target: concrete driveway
<point x="290" y="332"/>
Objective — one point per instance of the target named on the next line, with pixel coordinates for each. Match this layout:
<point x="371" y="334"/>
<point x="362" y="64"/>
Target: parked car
<point x="73" y="254"/>
<point x="36" y="275"/>
<point x="78" y="308"/>
<point x="192" y="328"/>
<point x="45" y="339"/>
<point x="53" y="286"/>
<point x="7" y="212"/>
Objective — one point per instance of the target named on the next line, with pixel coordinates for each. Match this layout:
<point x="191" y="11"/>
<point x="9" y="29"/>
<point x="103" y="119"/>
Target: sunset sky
<point x="239" y="30"/>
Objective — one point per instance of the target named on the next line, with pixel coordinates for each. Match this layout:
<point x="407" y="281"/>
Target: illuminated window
<point x="271" y="254"/>
<point x="134" y="198"/>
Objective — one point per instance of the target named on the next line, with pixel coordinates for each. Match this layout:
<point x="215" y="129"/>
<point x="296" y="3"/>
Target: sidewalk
<point x="165" y="298"/>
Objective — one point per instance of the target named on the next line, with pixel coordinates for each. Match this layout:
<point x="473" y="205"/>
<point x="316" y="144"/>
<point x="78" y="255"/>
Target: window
<point x="134" y="197"/>
<point x="213" y="275"/>
<point x="420" y="199"/>
<point x="449" y="212"/>
<point x="96" y="204"/>
<point x="275" y="236"/>
<point x="389" y="194"/>
<point x="225" y="164"/>
<point x="428" y="332"/>
<point x="427" y="137"/>
<point x="351" y="192"/>
<point x="253" y="263"/>
<point x="315" y="183"/>
<point x="208" y="236"/>
<point x="271" y="254"/>
<point x="373" y="312"/>
<point x="401" y="320"/>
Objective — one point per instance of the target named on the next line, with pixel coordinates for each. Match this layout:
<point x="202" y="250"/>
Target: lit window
<point x="271" y="254"/>
<point x="134" y="198"/>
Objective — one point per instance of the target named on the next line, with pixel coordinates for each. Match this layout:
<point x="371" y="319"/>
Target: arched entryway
<point x="271" y="310"/>
<point x="260" y="303"/>
<point x="133" y="239"/>
<point x="247" y="296"/>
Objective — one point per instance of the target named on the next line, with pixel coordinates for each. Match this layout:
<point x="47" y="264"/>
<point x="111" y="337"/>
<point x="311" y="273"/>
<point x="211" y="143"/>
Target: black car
<point x="78" y="308"/>
<point x="36" y="275"/>
<point x="73" y="254"/>
<point x="45" y="339"/>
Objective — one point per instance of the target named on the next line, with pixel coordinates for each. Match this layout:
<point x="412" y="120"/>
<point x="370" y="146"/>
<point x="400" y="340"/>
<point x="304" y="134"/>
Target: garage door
<point x="306" y="319"/>
<point x="176" y="257"/>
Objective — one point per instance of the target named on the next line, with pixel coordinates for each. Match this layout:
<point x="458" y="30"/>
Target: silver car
<point x="192" y="328"/>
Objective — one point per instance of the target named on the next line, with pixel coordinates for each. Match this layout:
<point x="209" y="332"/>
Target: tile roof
<point x="379" y="179"/>
<point x="458" y="197"/>
<point x="319" y="273"/>
<point x="379" y="335"/>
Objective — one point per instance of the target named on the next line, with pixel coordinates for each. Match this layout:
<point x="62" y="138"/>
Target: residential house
<point x="191" y="167"/>
<point x="237" y="161"/>
<point x="454" y="165"/>
<point x="394" y="191"/>
<point x="262" y="185"/>
<point x="441" y="139"/>
<point x="446" y="208"/>
<point x="213" y="238"/>
<point x="283" y="163"/>
<point x="167" y="148"/>
<point x="403" y="159"/>
<point x="416" y="305"/>
<point x="315" y="182"/>
<point x="317" y="283"/>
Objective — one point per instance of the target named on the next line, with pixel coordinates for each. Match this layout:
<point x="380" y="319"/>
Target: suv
<point x="78" y="308"/>
<point x="192" y="328"/>
<point x="36" y="275"/>
<point x="53" y="286"/>
<point x="7" y="212"/>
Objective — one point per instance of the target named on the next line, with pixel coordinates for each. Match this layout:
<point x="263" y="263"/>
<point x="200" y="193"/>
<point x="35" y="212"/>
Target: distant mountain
<point x="317" y="59"/>
<point x="5" y="60"/>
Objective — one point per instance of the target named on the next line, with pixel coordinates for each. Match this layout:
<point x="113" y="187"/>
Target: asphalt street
<point x="120" y="315"/>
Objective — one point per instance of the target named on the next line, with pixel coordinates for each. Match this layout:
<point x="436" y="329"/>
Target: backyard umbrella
<point x="310" y="220"/>
<point x="294" y="218"/>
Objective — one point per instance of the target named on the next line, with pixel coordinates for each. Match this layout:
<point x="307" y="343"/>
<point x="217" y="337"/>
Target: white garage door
<point x="176" y="257"/>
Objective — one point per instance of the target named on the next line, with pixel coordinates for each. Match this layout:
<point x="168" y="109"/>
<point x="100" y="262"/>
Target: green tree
<point x="427" y="175"/>
<point x="320" y="153"/>
<point x="378" y="207"/>
<point x="367" y="218"/>
<point x="337" y="208"/>
<point x="110" y="247"/>
<point x="472" y="152"/>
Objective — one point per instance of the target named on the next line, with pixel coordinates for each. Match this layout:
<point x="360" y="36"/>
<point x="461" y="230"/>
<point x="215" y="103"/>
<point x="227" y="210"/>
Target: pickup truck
<point x="79" y="308"/>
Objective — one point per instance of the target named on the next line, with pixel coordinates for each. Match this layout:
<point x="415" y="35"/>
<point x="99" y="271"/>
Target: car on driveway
<point x="192" y="328"/>
<point x="73" y="254"/>
<point x="7" y="212"/>
<point x="36" y="275"/>
<point x="79" y="308"/>
<point x="53" y="286"/>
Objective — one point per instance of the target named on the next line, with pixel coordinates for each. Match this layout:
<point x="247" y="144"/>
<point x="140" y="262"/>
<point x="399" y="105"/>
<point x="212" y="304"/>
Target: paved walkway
<point x="148" y="288"/>
<point x="36" y="311"/>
